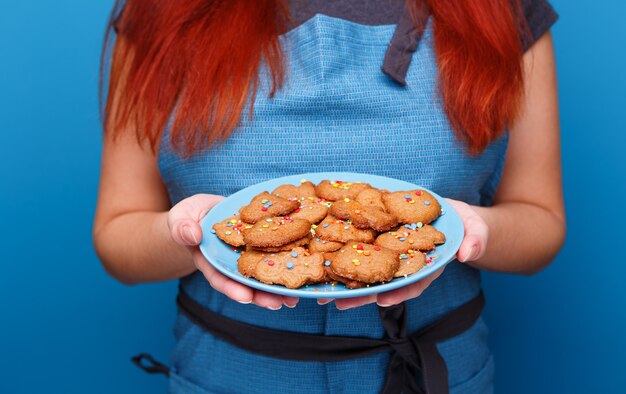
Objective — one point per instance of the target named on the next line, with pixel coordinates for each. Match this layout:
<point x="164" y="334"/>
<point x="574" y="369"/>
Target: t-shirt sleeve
<point x="540" y="16"/>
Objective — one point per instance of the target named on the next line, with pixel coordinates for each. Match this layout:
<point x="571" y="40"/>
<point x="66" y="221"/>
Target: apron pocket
<point x="481" y="383"/>
<point x="180" y="385"/>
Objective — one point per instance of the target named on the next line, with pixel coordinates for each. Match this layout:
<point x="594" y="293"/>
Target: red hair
<point x="479" y="56"/>
<point x="200" y="61"/>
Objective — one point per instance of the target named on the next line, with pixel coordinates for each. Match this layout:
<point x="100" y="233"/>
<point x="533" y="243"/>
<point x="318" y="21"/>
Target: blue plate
<point x="224" y="258"/>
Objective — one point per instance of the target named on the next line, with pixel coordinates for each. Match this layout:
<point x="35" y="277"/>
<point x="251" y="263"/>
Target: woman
<point x="208" y="97"/>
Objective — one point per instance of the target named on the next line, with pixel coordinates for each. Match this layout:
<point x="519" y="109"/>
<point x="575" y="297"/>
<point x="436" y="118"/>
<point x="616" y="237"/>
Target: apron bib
<point x="337" y="112"/>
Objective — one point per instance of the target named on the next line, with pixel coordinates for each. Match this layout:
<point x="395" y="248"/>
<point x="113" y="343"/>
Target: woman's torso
<point x="337" y="112"/>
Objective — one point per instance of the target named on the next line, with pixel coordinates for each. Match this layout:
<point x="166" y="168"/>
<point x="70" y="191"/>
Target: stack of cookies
<point x="348" y="232"/>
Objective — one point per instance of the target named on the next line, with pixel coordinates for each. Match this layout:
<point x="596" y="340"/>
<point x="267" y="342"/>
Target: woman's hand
<point x="183" y="221"/>
<point x="388" y="298"/>
<point x="472" y="248"/>
<point x="476" y="232"/>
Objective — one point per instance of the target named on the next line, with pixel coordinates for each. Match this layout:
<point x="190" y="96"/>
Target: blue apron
<point x="337" y="112"/>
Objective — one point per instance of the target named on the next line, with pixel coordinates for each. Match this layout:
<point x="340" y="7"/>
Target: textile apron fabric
<point x="337" y="112"/>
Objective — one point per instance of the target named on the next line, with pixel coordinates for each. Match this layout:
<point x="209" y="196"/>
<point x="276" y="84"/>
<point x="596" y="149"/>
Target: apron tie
<point x="405" y="362"/>
<point x="415" y="365"/>
<point x="417" y="355"/>
<point x="404" y="348"/>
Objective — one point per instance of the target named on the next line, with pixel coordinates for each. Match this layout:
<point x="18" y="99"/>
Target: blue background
<point x="67" y="327"/>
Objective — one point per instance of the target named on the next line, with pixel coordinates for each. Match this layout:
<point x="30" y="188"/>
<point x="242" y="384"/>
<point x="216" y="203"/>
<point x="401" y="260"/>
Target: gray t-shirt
<point x="539" y="14"/>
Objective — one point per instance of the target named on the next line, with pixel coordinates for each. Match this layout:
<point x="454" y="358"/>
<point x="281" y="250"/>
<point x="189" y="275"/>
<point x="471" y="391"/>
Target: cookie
<point x="363" y="216"/>
<point x="410" y="263"/>
<point x="276" y="231"/>
<point x="372" y="198"/>
<point x="411" y="237"/>
<point x="246" y="264"/>
<point x="291" y="269"/>
<point x="338" y="190"/>
<point x="413" y="206"/>
<point x="337" y="230"/>
<point x="313" y="209"/>
<point x="331" y="276"/>
<point x="292" y="192"/>
<point x="350" y="284"/>
<point x="301" y="242"/>
<point x="230" y="230"/>
<point x="365" y="263"/>
<point x="318" y="245"/>
<point x="266" y="205"/>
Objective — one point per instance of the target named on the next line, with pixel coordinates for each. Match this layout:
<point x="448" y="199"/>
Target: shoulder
<point x="537" y="16"/>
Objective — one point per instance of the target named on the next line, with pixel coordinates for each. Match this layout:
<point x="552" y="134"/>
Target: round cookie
<point x="365" y="263"/>
<point x="337" y="230"/>
<point x="410" y="263"/>
<point x="318" y="245"/>
<point x="331" y="276"/>
<point x="292" y="192"/>
<point x="338" y="190"/>
<point x="312" y="209"/>
<point x="372" y="198"/>
<point x="291" y="269"/>
<point x="411" y="237"/>
<point x="248" y="259"/>
<point x="363" y="216"/>
<point x="413" y="206"/>
<point x="266" y="205"/>
<point x="350" y="284"/>
<point x="276" y="231"/>
<point x="230" y="230"/>
<point x="301" y="242"/>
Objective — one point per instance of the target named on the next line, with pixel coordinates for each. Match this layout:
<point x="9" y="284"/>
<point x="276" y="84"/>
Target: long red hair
<point x="200" y="61"/>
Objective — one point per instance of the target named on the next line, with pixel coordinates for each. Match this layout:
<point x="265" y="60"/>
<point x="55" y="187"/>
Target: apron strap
<point x="404" y="41"/>
<point x="286" y="345"/>
<point x="412" y="356"/>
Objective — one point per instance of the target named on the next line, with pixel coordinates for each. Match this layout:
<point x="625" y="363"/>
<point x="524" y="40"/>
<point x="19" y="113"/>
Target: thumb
<point x="184" y="218"/>
<point x="476" y="236"/>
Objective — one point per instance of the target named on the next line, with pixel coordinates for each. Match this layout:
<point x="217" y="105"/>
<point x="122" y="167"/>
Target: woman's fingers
<point x="267" y="300"/>
<point x="186" y="232"/>
<point x="397" y="296"/>
<point x="407" y="292"/>
<point x="476" y="232"/>
<point x="347" y="303"/>
<point x="290" y="302"/>
<point x="324" y="301"/>
<point x="237" y="291"/>
<point x="386" y="299"/>
<point x="183" y="221"/>
<point x="184" y="218"/>
<point x="233" y="290"/>
<point x="476" y="236"/>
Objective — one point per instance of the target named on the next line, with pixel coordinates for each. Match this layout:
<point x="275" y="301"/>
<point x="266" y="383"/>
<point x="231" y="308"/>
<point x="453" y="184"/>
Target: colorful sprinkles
<point x="342" y="185"/>
<point x="403" y="235"/>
